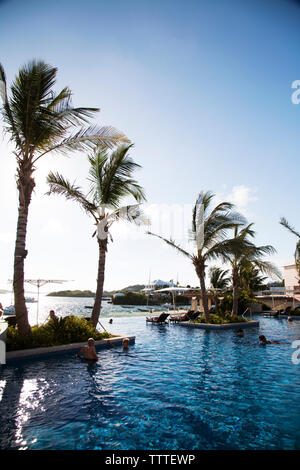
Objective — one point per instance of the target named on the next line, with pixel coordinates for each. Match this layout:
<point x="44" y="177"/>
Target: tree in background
<point x="219" y="281"/>
<point x="40" y="121"/>
<point x="291" y="229"/>
<point x="247" y="255"/>
<point x="111" y="180"/>
<point x="209" y="231"/>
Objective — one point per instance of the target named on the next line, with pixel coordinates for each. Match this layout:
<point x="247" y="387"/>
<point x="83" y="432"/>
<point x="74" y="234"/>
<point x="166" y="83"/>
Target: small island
<point x="72" y="293"/>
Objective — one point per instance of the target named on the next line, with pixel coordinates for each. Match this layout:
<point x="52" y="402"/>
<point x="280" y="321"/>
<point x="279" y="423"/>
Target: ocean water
<point x="176" y="388"/>
<point x="71" y="306"/>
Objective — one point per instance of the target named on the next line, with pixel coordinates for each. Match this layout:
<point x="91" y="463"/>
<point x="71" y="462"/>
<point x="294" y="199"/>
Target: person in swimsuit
<point x="89" y="351"/>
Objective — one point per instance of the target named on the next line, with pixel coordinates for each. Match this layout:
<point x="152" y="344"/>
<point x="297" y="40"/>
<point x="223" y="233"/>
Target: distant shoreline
<point x="72" y="293"/>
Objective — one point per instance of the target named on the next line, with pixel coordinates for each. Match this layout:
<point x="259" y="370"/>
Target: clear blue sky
<point x="204" y="91"/>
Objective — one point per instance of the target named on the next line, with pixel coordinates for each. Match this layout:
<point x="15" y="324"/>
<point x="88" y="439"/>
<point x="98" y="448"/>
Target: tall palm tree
<point x="291" y="229"/>
<point x="40" y="121"/>
<point x="111" y="180"/>
<point x="247" y="254"/>
<point x="219" y="281"/>
<point x="209" y="234"/>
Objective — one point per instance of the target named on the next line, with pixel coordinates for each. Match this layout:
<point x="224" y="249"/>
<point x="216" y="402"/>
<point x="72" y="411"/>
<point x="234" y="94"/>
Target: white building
<point x="291" y="280"/>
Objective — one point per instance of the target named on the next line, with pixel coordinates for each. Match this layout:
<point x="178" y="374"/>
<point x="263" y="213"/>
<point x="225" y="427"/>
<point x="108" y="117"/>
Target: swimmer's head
<point x="262" y="338"/>
<point x="125" y="342"/>
<point x="91" y="342"/>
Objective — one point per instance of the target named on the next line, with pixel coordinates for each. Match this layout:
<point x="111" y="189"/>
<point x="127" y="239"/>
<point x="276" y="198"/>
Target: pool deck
<point x="40" y="352"/>
<point x="225" y="326"/>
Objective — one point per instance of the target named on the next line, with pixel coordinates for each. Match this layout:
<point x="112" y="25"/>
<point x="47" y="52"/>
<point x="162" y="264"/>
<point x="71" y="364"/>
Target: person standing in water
<point x="89" y="351"/>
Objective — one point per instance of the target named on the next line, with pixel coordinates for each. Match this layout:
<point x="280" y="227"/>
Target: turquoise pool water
<point x="176" y="388"/>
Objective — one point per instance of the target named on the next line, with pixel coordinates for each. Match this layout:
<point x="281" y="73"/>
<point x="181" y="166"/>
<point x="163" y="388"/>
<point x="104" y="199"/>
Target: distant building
<point x="291" y="280"/>
<point x="160" y="284"/>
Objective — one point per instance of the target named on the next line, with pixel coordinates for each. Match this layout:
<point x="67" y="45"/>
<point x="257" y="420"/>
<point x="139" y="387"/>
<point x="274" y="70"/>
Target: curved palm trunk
<point x="25" y="187"/>
<point x="200" y="270"/>
<point x="235" y="292"/>
<point x="100" y="281"/>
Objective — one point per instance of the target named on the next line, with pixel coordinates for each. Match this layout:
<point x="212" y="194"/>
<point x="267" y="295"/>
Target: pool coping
<point x="40" y="352"/>
<point x="225" y="326"/>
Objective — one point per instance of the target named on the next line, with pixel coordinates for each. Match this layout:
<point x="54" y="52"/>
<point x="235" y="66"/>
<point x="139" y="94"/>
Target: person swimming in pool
<point x="240" y="333"/>
<point x="89" y="351"/>
<point x="264" y="340"/>
<point x="125" y="343"/>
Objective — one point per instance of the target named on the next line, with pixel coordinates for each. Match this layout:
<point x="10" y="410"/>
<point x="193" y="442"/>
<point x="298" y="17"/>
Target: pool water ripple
<point x="176" y="388"/>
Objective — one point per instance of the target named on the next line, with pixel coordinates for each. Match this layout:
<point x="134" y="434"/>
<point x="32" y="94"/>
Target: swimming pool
<point x="176" y="388"/>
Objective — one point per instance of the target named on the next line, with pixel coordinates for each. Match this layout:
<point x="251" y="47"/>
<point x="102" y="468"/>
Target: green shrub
<point x="66" y="330"/>
<point x="222" y="318"/>
<point x="295" y="312"/>
<point x="244" y="302"/>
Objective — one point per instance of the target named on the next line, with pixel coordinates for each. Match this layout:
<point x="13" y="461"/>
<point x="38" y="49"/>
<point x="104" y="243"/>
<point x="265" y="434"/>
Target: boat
<point x="30" y="300"/>
<point x="9" y="310"/>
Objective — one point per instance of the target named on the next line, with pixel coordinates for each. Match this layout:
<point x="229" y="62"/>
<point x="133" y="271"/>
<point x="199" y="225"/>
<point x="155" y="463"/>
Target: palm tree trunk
<point x="216" y="304"/>
<point x="235" y="292"/>
<point x="100" y="281"/>
<point x="25" y="187"/>
<point x="200" y="270"/>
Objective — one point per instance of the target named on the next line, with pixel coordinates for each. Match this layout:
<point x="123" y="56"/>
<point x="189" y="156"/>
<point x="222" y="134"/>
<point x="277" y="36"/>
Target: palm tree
<point x="247" y="254"/>
<point x="208" y="233"/>
<point x="252" y="280"/>
<point x="291" y="229"/>
<point x="40" y="121"/>
<point x="219" y="282"/>
<point x="111" y="180"/>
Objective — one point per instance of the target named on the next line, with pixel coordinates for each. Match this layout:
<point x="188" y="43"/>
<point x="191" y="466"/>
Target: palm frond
<point x="59" y="185"/>
<point x="172" y="244"/>
<point x="111" y="176"/>
<point x="131" y="213"/>
<point x="6" y="111"/>
<point x="267" y="268"/>
<point x="285" y="223"/>
<point x="88" y="138"/>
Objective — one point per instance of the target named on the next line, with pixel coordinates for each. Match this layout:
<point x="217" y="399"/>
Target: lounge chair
<point x="193" y="315"/>
<point x="160" y="319"/>
<point x="177" y="317"/>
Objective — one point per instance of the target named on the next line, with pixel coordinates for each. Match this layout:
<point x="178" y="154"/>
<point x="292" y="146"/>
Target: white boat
<point x="30" y="300"/>
<point x="9" y="310"/>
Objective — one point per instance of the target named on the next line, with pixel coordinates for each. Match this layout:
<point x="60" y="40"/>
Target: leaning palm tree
<point x="40" y="121"/>
<point x="111" y="180"/>
<point x="219" y="281"/>
<point x="247" y="254"/>
<point x="209" y="234"/>
<point x="291" y="229"/>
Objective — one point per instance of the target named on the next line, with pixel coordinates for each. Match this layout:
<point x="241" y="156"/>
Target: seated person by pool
<point x="89" y="351"/>
<point x="52" y="315"/>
